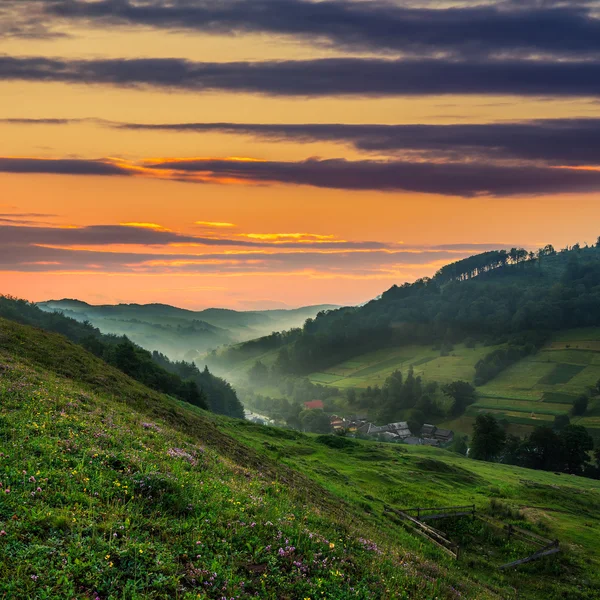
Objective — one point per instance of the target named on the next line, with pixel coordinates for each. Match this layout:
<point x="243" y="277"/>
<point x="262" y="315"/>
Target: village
<point x="360" y="426"/>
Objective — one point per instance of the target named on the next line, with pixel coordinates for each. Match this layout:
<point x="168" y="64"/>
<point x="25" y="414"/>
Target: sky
<point x="257" y="154"/>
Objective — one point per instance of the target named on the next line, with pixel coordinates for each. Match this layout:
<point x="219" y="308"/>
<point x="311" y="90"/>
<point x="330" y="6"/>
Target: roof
<point x="403" y="433"/>
<point x="428" y="429"/>
<point x="399" y="425"/>
<point x="312" y="404"/>
<point x="375" y="429"/>
<point x="430" y="442"/>
<point x="389" y="435"/>
<point x="413" y="441"/>
<point x="444" y="434"/>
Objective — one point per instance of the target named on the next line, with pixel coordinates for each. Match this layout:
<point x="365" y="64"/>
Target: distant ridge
<point x="180" y="332"/>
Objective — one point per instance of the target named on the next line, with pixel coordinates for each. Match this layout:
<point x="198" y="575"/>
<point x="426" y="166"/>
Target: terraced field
<point x="529" y="393"/>
<point x="373" y="368"/>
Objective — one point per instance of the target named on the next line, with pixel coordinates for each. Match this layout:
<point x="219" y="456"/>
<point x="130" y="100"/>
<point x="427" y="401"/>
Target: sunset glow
<point x="257" y="163"/>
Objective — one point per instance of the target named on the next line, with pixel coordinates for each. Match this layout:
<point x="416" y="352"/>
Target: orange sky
<point x="400" y="231"/>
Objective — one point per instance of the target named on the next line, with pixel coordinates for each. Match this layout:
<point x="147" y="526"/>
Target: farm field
<point x="373" y="368"/>
<point x="529" y="393"/>
<point x="545" y="384"/>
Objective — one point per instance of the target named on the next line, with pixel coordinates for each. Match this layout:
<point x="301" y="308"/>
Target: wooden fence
<point x="413" y="518"/>
<point x="430" y="533"/>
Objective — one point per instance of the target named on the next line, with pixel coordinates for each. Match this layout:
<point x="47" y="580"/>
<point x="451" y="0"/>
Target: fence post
<point x="509" y="530"/>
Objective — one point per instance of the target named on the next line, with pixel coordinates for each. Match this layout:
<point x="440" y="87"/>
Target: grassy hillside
<point x="118" y="492"/>
<point x="372" y="368"/>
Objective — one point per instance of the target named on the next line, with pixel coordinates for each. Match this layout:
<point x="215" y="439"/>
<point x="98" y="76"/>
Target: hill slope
<point x="178" y="332"/>
<point x="526" y="333"/>
<point x="118" y="491"/>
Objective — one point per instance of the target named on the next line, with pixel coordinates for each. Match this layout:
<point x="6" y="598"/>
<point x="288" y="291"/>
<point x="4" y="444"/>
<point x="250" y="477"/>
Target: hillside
<point x="181" y="333"/>
<point x="524" y="329"/>
<point x="113" y="490"/>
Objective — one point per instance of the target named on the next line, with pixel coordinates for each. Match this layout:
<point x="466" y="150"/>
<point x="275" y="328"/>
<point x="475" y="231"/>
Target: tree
<point x="543" y="450"/>
<point x="415" y="420"/>
<point x="351" y="396"/>
<point x="259" y="373"/>
<point x="315" y="421"/>
<point x="462" y="394"/>
<point x="459" y="445"/>
<point x="560" y="422"/>
<point x="580" y="405"/>
<point x="488" y="438"/>
<point x="576" y="443"/>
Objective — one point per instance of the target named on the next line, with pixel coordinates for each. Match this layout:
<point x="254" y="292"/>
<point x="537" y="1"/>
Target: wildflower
<point x="332" y="545"/>
<point x="2" y="532"/>
<point x="7" y="491"/>
<point x="39" y="489"/>
<point x="32" y="479"/>
<point x="34" y="577"/>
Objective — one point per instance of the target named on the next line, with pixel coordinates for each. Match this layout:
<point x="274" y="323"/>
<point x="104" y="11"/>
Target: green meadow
<point x="111" y="490"/>
<point x="373" y="368"/>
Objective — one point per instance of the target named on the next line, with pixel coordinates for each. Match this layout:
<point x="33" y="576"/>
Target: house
<point x="412" y="441"/>
<point x="444" y="436"/>
<point x="389" y="436"/>
<point x="378" y="430"/>
<point x="400" y="429"/>
<point x="430" y="442"/>
<point x="314" y="405"/>
<point x="338" y="423"/>
<point x="428" y="430"/>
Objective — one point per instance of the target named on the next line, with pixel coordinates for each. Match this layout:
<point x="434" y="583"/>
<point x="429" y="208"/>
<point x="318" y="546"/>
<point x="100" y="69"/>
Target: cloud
<point x="27" y="19"/>
<point x="566" y="142"/>
<point x="22" y="257"/>
<point x="453" y="179"/>
<point x="555" y="141"/>
<point x="61" y="166"/>
<point x="141" y="234"/>
<point x="465" y="179"/>
<point x="425" y="28"/>
<point x="150" y="251"/>
<point x="365" y="77"/>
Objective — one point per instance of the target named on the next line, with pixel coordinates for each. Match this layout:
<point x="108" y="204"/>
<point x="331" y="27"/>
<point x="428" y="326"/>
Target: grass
<point x="374" y="367"/>
<point x="561" y="373"/>
<point x="374" y="475"/>
<point x="112" y="491"/>
<point x="118" y="492"/>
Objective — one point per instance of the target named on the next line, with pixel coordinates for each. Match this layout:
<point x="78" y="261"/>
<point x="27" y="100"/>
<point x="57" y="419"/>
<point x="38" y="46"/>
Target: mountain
<point x="111" y="489"/>
<point x="181" y="333"/>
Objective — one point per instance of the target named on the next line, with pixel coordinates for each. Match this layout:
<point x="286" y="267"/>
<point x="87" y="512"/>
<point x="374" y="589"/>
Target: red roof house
<point x="314" y="404"/>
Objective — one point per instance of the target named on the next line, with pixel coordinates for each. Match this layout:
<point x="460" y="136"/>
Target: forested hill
<point x="181" y="333"/>
<point x="502" y="296"/>
<point x="180" y="379"/>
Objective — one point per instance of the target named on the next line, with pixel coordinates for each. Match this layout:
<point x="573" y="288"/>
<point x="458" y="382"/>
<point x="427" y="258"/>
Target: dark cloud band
<point x="450" y="179"/>
<point x="443" y="178"/>
<point x="99" y="235"/>
<point x="556" y="141"/>
<point x="323" y="77"/>
<point x="525" y="27"/>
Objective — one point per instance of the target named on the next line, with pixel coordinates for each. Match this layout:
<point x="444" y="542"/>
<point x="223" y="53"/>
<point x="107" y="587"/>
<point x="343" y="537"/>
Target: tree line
<point x="564" y="448"/>
<point x="492" y="298"/>
<point x="155" y="371"/>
